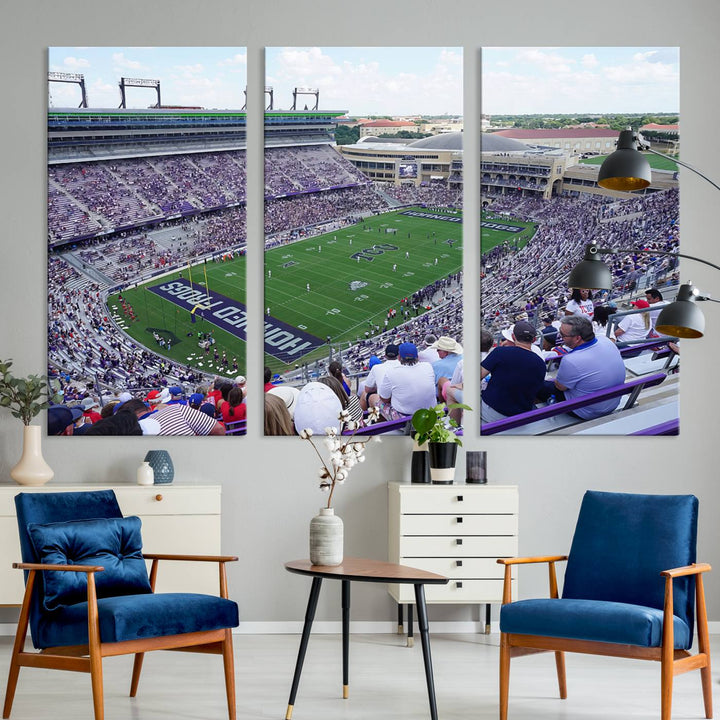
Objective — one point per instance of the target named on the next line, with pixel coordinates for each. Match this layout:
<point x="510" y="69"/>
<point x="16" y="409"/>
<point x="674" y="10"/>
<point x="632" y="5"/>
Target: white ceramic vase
<point x="145" y="474"/>
<point x="32" y="468"/>
<point x="326" y="538"/>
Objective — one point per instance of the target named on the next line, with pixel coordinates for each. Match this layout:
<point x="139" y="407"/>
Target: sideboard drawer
<point x="461" y="499"/>
<point x="458" y="546"/>
<point x="458" y="525"/>
<point x="166" y="500"/>
<point x="472" y="568"/>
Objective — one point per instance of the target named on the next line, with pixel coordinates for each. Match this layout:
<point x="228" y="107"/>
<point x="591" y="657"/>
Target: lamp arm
<point x="685" y="165"/>
<point x="608" y="251"/>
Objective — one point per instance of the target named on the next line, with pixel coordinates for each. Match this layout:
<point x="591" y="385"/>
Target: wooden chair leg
<point x="229" y="665"/>
<point x="96" y="670"/>
<point x="704" y="645"/>
<point x="560" y="666"/>
<point x="504" y="675"/>
<point x="137" y="668"/>
<point x="19" y="645"/>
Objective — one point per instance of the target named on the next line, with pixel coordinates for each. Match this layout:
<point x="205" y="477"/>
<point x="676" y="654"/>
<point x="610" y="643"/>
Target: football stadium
<point x="147" y="240"/>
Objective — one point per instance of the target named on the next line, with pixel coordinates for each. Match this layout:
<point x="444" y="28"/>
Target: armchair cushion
<point x="595" y="620"/>
<point x="113" y="543"/>
<point x="137" y="617"/>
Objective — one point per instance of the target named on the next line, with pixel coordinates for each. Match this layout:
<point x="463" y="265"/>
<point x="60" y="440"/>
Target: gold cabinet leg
<point x="346" y="692"/>
<point x="288" y="714"/>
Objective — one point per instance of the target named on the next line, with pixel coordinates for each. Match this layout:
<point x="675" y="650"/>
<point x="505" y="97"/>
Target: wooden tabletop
<point x="367" y="571"/>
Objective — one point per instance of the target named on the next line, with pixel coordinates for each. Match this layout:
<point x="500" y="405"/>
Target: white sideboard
<point x="455" y="530"/>
<point x="181" y="519"/>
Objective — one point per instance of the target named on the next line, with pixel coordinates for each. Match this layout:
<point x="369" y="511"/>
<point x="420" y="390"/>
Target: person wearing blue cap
<point x="61" y="419"/>
<point x="176" y="396"/>
<point x="408" y="386"/>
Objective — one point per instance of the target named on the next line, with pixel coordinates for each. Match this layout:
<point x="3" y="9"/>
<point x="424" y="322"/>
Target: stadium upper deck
<point x="82" y="135"/>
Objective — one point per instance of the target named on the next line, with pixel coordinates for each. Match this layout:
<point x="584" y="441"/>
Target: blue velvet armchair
<point x="632" y="589"/>
<point x="88" y="595"/>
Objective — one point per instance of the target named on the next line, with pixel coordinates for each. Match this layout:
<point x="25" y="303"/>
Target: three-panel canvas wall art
<point x="363" y="200"/>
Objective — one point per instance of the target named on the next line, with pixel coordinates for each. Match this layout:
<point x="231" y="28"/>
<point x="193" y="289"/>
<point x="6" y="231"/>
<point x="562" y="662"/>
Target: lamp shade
<point x="682" y="318"/>
<point x="626" y="169"/>
<point x="591" y="273"/>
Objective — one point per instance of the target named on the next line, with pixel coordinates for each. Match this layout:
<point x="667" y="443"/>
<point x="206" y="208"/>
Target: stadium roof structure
<point x="491" y="142"/>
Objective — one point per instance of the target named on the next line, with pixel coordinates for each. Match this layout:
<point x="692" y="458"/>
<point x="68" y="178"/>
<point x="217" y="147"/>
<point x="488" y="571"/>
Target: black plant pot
<point x="442" y="462"/>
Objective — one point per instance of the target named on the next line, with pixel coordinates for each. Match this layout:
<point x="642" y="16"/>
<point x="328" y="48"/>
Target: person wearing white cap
<point x="288" y="395"/>
<point x="90" y="414"/>
<point x="316" y="408"/>
<point x="449" y="351"/>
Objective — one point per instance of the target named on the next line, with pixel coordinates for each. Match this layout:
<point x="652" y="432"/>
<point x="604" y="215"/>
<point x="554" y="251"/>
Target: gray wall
<point x="269" y="485"/>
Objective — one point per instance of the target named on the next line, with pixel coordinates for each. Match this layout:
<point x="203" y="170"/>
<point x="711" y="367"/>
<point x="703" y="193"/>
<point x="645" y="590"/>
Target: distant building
<point x="572" y="141"/>
<point x="386" y="127"/>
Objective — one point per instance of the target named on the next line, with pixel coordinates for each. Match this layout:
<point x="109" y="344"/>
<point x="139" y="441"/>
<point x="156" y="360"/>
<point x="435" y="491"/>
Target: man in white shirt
<point x="655" y="300"/>
<point x="369" y="396"/>
<point x="407" y="387"/>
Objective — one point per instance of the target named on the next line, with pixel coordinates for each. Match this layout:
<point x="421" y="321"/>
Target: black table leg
<point x="400" y="629"/>
<point x="487" y="618"/>
<point x="425" y="641"/>
<point x="309" y="615"/>
<point x="346" y="635"/>
<point x="410" y="637"/>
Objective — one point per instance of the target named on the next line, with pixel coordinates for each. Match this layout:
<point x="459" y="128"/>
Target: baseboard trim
<point x="292" y="627"/>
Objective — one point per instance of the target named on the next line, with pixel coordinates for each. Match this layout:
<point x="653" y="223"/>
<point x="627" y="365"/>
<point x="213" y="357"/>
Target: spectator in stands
<point x="593" y="364"/>
<point x="180" y="419"/>
<point x="408" y="386"/>
<point x="61" y="419"/>
<point x="634" y="327"/>
<point x="121" y="423"/>
<point x="90" y="410"/>
<point x="370" y="395"/>
<point x="516" y="373"/>
<point x="454" y="392"/>
<point x="277" y="417"/>
<point x="600" y="321"/>
<point x="655" y="300"/>
<point x="350" y="402"/>
<point x="288" y="395"/>
<point x="316" y="408"/>
<point x="177" y="396"/>
<point x="580" y="303"/>
<point x="428" y="353"/>
<point x="486" y="343"/>
<point x="449" y="354"/>
<point x="268" y="376"/>
<point x="241" y="382"/>
<point x="234" y="409"/>
<point x="335" y="369"/>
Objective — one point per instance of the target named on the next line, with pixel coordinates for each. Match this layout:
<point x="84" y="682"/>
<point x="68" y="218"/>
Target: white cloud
<point x="589" y="61"/>
<point x="120" y="62"/>
<point x="238" y="59"/>
<point x="76" y="63"/>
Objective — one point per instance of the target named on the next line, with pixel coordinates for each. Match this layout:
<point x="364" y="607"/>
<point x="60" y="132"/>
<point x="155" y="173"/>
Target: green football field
<point x="354" y="274"/>
<point x="656" y="162"/>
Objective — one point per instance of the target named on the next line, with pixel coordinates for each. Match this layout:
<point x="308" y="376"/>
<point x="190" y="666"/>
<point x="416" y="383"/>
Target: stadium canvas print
<point x="559" y="359"/>
<point x="363" y="233"/>
<point x="146" y="240"/>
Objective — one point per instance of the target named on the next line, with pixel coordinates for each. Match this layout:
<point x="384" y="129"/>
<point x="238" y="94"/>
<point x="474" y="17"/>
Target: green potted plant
<point x="434" y="427"/>
<point x="25" y="398"/>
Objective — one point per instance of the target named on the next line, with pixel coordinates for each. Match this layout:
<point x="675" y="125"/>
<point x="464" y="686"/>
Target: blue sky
<point x="369" y="81"/>
<point x="211" y="77"/>
<point x="580" y="80"/>
<point x="387" y="81"/>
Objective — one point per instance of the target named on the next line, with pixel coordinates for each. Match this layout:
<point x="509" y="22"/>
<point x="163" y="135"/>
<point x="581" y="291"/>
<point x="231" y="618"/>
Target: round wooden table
<point x="363" y="570"/>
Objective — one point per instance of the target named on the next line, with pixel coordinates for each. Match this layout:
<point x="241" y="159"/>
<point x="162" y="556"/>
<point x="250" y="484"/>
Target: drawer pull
<point x="158" y="497"/>
<point x="458" y="563"/>
<point x="459" y="498"/>
<point x="458" y="541"/>
<point x="459" y="519"/>
<point x="458" y="585"/>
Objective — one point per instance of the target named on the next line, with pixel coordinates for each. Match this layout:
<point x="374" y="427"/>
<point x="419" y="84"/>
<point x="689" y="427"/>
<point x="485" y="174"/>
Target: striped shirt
<point x="183" y="420"/>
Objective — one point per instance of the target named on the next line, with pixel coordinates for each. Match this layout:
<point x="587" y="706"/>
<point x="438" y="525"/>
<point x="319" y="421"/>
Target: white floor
<point x="386" y="683"/>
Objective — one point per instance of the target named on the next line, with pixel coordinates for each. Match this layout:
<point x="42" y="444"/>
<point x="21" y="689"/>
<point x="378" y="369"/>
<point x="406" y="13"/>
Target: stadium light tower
<point x="306" y="91"/>
<point x="138" y="82"/>
<point x="71" y="78"/>
<point x="269" y="91"/>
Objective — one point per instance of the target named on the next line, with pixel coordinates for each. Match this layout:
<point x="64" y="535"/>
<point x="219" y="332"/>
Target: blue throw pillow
<point x="113" y="543"/>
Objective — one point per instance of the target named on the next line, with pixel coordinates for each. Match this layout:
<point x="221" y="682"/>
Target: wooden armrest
<point x="693" y="569"/>
<point x="194" y="558"/>
<point x="528" y="560"/>
<point x="67" y="568"/>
